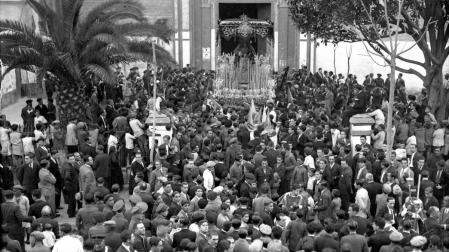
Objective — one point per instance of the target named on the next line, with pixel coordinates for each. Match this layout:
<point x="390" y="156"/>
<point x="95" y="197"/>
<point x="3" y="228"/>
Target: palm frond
<point x="158" y="29"/>
<point x="102" y="71"/>
<point x="24" y="61"/>
<point x="111" y="11"/>
<point x="142" y="50"/>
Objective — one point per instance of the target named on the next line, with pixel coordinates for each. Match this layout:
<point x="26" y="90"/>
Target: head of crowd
<point x="290" y="174"/>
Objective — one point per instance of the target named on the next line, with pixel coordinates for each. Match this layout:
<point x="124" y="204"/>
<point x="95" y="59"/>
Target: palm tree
<point x="69" y="48"/>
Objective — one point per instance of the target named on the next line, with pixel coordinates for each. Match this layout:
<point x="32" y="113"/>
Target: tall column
<point x="206" y="26"/>
<point x="180" y="31"/>
<point x="275" y="10"/>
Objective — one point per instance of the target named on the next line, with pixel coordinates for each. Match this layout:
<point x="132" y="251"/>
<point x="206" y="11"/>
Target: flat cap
<point x="418" y="241"/>
<point x="118" y="205"/>
<point x="396" y="236"/>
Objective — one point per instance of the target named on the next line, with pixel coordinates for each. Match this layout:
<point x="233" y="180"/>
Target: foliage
<point x="68" y="46"/>
<point x="424" y="21"/>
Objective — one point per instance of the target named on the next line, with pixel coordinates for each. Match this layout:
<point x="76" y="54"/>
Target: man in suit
<point x="335" y="172"/>
<point x="419" y="168"/>
<point x="136" y="166"/>
<point x="70" y="184"/>
<point x="444" y="213"/>
<point x="156" y="174"/>
<point x="345" y="184"/>
<point x="380" y="237"/>
<point x="301" y="139"/>
<point x="41" y="151"/>
<point x="271" y="154"/>
<point x="361" y="172"/>
<point x="295" y="230"/>
<point x="28" y="175"/>
<point x="425" y="182"/>
<point x="324" y="206"/>
<point x="386" y="168"/>
<point x="13" y="218"/>
<point x="42" y="108"/>
<point x="356" y="241"/>
<point x="54" y="169"/>
<point x="388" y="209"/>
<point x="101" y="166"/>
<point x="404" y="172"/>
<point x="430" y="200"/>
<point x="440" y="179"/>
<point x="126" y="246"/>
<point x="326" y="239"/>
<point x="264" y="174"/>
<point x="414" y="157"/>
<point x="373" y="189"/>
<point x="184" y="233"/>
<point x="140" y="243"/>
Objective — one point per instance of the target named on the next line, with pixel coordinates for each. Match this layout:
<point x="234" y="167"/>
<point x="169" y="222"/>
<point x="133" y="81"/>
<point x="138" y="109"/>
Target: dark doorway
<point x="252" y="10"/>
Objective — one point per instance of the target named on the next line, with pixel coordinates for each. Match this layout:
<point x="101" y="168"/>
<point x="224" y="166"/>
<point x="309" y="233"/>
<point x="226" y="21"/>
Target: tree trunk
<point x="71" y="103"/>
<point x="438" y="97"/>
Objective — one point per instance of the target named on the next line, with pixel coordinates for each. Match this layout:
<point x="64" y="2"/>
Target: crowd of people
<point x="224" y="181"/>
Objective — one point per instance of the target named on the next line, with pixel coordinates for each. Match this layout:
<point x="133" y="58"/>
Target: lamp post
<point x="154" y="101"/>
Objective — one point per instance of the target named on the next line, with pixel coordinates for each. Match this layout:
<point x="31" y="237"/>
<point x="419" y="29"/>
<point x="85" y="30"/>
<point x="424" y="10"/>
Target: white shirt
<point x="309" y="161"/>
<point x="136" y="126"/>
<point x="129" y="143"/>
<point x="362" y="199"/>
<point x="28" y="144"/>
<point x="112" y="141"/>
<point x="335" y="133"/>
<point x="68" y="244"/>
<point x="379" y="116"/>
<point x="208" y="180"/>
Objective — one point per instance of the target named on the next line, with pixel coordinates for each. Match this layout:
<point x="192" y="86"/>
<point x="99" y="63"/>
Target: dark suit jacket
<point x="29" y="178"/>
<point x="324" y="207"/>
<point x="54" y="169"/>
<point x="271" y="157"/>
<point x="428" y="202"/>
<point x="141" y="244"/>
<point x="101" y="166"/>
<point x="335" y="175"/>
<point x="40" y="153"/>
<point x="70" y="177"/>
<point x="373" y="189"/>
<point x="13" y="218"/>
<point x="36" y="208"/>
<point x="384" y="211"/>
<point x="326" y="241"/>
<point x="122" y="249"/>
<point x="377" y="240"/>
<point x="183" y="234"/>
<point x="262" y="176"/>
<point x="294" y="231"/>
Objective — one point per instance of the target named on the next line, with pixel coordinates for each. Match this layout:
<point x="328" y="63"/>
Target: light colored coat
<point x="70" y="137"/>
<point x="47" y="185"/>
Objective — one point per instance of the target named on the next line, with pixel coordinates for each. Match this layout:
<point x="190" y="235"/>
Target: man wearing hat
<point x="395" y="245"/>
<point x="28" y="117"/>
<point x="28" y="175"/>
<point x="121" y="223"/>
<point x="112" y="239"/>
<point x="379" y="82"/>
<point x="41" y="108"/>
<point x="418" y="243"/>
